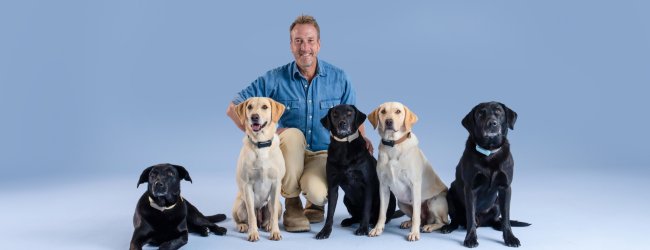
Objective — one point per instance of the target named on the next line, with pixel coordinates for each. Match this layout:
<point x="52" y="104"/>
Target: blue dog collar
<point x="486" y="152"/>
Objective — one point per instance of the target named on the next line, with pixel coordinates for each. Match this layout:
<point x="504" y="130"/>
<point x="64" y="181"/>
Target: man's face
<point x="305" y="45"/>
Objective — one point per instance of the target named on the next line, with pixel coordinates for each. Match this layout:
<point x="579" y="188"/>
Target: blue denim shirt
<point x="305" y="103"/>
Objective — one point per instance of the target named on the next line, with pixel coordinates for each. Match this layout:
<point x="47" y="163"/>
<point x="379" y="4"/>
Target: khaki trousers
<point x="305" y="169"/>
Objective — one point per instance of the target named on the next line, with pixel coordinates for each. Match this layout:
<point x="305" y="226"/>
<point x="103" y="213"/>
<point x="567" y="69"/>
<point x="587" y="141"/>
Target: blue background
<point x="95" y="91"/>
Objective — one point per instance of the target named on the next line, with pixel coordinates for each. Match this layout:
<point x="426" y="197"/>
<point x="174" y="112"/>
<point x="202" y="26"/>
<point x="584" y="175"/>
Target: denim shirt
<point x="305" y="103"/>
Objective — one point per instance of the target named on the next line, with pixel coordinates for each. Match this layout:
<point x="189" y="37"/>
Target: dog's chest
<point x="399" y="177"/>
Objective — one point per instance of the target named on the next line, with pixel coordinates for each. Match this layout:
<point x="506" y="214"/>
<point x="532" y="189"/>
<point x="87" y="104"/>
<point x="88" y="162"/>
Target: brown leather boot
<point x="314" y="213"/>
<point x="293" y="219"/>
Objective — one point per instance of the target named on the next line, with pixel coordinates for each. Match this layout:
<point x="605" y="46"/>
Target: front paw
<point x="470" y="240"/>
<point x="275" y="235"/>
<point x="405" y="224"/>
<point x="253" y="236"/>
<point x="362" y="230"/>
<point x="413" y="236"/>
<point x="510" y="240"/>
<point x="204" y="231"/>
<point x="348" y="222"/>
<point x="324" y="233"/>
<point x="376" y="231"/>
<point x="448" y="229"/>
<point x="242" y="228"/>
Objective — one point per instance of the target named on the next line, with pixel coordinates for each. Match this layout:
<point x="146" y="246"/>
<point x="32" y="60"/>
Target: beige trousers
<point x="305" y="169"/>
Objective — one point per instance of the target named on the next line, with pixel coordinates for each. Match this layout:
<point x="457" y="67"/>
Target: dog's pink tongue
<point x="256" y="127"/>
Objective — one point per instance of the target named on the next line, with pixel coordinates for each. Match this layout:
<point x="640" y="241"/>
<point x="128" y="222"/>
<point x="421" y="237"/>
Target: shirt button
<point x="308" y="131"/>
<point x="307" y="145"/>
<point x="310" y="117"/>
<point x="305" y="86"/>
<point x="308" y="100"/>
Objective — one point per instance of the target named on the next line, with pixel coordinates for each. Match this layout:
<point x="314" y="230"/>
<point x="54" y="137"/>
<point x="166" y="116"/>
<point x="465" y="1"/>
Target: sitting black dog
<point x="351" y="166"/>
<point x="480" y="194"/>
<point x="162" y="217"/>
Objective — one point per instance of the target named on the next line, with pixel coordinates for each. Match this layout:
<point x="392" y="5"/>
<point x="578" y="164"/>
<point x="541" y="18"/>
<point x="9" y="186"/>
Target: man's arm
<point x="362" y="131"/>
<point x="233" y="116"/>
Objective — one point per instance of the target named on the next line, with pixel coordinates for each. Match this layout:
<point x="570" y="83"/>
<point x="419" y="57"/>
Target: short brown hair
<point x="305" y="19"/>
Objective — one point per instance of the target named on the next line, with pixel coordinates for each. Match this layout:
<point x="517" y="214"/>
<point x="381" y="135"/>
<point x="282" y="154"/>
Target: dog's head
<point x="488" y="124"/>
<point x="164" y="179"/>
<point x="391" y="118"/>
<point x="259" y="115"/>
<point x="343" y="120"/>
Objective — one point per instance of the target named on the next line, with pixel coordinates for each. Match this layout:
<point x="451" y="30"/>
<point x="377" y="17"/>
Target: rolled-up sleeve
<point x="349" y="96"/>
<point x="257" y="88"/>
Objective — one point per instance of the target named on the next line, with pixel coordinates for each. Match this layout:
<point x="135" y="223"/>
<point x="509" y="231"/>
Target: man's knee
<point x="314" y="189"/>
<point x="292" y="137"/>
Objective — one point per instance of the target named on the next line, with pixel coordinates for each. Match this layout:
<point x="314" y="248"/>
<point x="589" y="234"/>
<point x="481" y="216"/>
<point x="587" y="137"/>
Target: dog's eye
<point x="249" y="107"/>
<point x="383" y="111"/>
<point x="349" y="112"/>
<point x="265" y="107"/>
<point x="170" y="173"/>
<point x="398" y="111"/>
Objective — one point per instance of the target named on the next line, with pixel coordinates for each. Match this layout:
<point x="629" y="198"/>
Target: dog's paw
<point x="376" y="231"/>
<point x="405" y="224"/>
<point x="348" y="222"/>
<point x="253" y="236"/>
<point x="205" y="231"/>
<point x="470" y="240"/>
<point x="510" y="240"/>
<point x="432" y="227"/>
<point x="242" y="228"/>
<point x="219" y="230"/>
<point x="448" y="229"/>
<point x="275" y="236"/>
<point x="413" y="236"/>
<point x="324" y="233"/>
<point x="361" y="231"/>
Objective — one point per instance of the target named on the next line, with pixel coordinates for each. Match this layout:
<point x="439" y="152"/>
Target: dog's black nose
<point x="389" y="122"/>
<point x="158" y="184"/>
<point x="492" y="123"/>
<point x="255" y="117"/>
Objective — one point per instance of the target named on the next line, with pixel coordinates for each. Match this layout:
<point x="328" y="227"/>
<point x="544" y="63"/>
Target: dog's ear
<point x="373" y="117"/>
<point x="511" y="116"/>
<point x="468" y="121"/>
<point x="182" y="173"/>
<point x="409" y="118"/>
<point x="359" y="117"/>
<point x="144" y="177"/>
<point x="277" y="109"/>
<point x="240" y="110"/>
<point x="326" y="121"/>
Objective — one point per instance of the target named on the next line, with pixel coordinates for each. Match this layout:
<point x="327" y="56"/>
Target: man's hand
<point x="368" y="145"/>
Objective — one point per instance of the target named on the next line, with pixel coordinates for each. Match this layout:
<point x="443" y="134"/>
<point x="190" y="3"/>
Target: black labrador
<point x="480" y="194"/>
<point x="163" y="217"/>
<point x="353" y="168"/>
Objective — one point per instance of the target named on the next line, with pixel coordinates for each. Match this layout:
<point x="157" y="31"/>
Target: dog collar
<point x="153" y="204"/>
<point x="392" y="143"/>
<point x="346" y="139"/>
<point x="486" y="152"/>
<point x="261" y="144"/>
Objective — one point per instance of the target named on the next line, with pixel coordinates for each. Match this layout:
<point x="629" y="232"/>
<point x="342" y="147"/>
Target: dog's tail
<point x="216" y="218"/>
<point x="397" y="214"/>
<point x="497" y="224"/>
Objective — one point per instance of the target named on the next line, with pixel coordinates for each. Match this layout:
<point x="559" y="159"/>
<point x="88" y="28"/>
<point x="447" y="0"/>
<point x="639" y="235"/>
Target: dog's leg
<point x="416" y="191"/>
<point x="384" y="195"/>
<point x="239" y="214"/>
<point x="175" y="243"/>
<point x="274" y="207"/>
<point x="408" y="210"/>
<point x="140" y="237"/>
<point x="365" y="215"/>
<point x="453" y="212"/>
<point x="504" y="202"/>
<point x="438" y="213"/>
<point x="253" y="234"/>
<point x="332" y="198"/>
<point x="470" y="215"/>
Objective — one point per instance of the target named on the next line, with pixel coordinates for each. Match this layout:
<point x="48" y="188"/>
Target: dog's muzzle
<point x="159" y="189"/>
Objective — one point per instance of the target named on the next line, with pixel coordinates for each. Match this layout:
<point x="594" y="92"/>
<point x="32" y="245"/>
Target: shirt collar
<point x="319" y="69"/>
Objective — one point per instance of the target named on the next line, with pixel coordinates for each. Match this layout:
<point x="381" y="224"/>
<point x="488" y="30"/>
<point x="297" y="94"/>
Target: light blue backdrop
<point x="92" y="92"/>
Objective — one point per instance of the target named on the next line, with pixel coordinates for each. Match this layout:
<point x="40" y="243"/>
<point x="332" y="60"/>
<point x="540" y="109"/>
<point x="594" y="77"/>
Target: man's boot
<point x="314" y="213"/>
<point x="293" y="219"/>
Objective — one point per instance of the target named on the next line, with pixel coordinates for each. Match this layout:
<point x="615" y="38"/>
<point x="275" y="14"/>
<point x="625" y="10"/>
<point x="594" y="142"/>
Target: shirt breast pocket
<point x="328" y="104"/>
<point x="290" y="105"/>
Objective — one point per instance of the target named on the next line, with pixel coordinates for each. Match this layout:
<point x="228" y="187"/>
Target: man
<point x="307" y="87"/>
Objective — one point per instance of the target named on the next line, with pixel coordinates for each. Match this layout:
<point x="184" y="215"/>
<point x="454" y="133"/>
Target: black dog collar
<point x="261" y="144"/>
<point x="392" y="143"/>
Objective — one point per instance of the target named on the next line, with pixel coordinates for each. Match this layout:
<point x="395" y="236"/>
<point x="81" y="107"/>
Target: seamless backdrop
<point x="92" y="92"/>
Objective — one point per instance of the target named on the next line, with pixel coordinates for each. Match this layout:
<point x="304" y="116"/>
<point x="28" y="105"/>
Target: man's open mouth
<point x="256" y="127"/>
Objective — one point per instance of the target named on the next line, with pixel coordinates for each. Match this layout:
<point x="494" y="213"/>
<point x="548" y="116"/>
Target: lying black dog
<point x="162" y="217"/>
<point x="480" y="194"/>
<point x="351" y="166"/>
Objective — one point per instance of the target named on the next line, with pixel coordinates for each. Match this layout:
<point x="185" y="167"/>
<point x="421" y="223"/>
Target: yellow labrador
<point x="403" y="169"/>
<point x="260" y="169"/>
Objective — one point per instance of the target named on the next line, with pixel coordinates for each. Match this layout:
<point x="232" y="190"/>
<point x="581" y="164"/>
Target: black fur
<point x="480" y="194"/>
<point x="168" y="229"/>
<point x="353" y="168"/>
